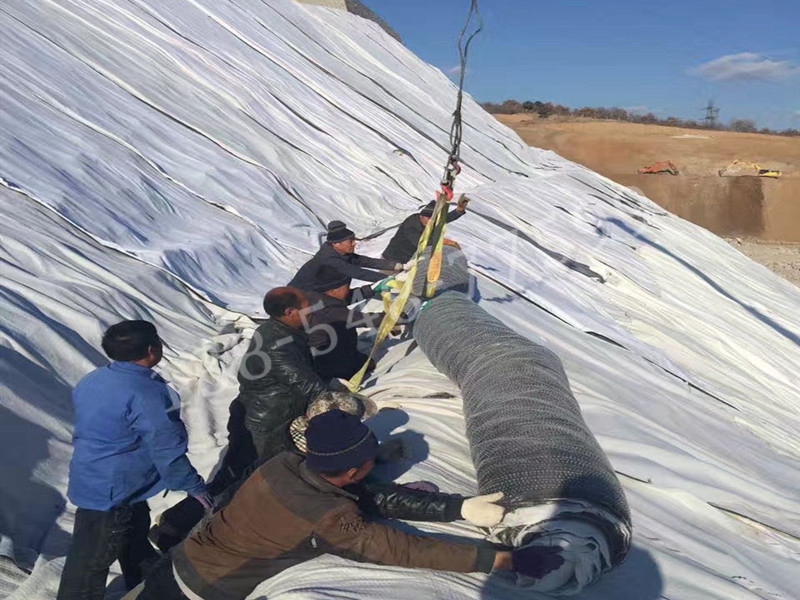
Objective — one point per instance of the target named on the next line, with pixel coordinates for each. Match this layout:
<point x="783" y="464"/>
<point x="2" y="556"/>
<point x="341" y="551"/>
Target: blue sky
<point x="668" y="57"/>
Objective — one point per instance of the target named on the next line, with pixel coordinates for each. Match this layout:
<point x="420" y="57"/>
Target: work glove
<point x="482" y="510"/>
<point x="398" y="266"/>
<point x="461" y="206"/>
<point x="536" y="561"/>
<point x="384" y="285"/>
<point x="422" y="486"/>
<point x="408" y="265"/>
<point x="204" y="498"/>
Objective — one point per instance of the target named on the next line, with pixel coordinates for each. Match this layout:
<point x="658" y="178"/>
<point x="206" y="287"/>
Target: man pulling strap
<point x="404" y="243"/>
<point x="338" y="252"/>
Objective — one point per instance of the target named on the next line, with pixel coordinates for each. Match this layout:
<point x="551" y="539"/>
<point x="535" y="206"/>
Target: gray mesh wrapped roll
<point x="526" y="432"/>
<point x="454" y="274"/>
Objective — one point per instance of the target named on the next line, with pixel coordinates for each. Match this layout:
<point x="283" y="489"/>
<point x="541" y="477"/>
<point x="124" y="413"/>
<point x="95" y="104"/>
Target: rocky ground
<point x="783" y="259"/>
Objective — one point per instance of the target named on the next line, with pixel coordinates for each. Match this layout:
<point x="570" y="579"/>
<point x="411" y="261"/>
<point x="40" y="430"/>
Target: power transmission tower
<point x="712" y="112"/>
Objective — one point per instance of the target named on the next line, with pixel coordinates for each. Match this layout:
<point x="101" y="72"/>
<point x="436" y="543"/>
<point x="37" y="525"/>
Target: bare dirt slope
<point x="756" y="207"/>
<point x="783" y="259"/>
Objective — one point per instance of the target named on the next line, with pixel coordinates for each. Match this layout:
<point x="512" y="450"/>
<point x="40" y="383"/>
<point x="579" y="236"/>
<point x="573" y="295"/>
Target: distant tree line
<point x="547" y="109"/>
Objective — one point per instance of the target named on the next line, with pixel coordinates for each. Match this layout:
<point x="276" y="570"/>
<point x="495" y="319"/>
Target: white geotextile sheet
<point x="195" y="150"/>
<point x="584" y="546"/>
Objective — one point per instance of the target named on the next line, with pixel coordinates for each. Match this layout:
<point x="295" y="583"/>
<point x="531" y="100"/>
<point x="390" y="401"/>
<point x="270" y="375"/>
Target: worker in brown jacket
<point x="293" y="509"/>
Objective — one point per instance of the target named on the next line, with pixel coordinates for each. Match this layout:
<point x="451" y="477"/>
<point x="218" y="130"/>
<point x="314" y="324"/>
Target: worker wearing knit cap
<point x="404" y="243"/>
<point x="294" y="508"/>
<point x="332" y="332"/>
<point x="338" y="252"/>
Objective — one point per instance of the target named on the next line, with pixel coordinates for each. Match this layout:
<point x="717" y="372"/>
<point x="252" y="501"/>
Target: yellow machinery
<point x="738" y="168"/>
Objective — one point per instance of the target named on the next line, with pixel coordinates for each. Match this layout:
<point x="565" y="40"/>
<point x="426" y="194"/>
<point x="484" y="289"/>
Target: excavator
<point x="738" y="168"/>
<point x="665" y="166"/>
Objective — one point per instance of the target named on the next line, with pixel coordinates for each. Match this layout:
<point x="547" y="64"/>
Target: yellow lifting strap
<point x="436" y="224"/>
<point x="394" y="307"/>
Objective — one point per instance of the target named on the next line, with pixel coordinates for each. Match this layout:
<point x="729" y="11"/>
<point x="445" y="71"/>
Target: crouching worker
<point x="332" y="330"/>
<point x="293" y="509"/>
<point x="130" y="444"/>
<point x="276" y="384"/>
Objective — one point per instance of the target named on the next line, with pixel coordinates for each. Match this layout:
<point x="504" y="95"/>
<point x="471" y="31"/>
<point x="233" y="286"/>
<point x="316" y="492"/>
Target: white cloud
<point x="745" y="66"/>
<point x="454" y="70"/>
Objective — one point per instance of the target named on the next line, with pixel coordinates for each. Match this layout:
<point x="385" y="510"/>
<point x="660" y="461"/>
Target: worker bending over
<point x="332" y="331"/>
<point x="338" y="252"/>
<point x="406" y="239"/>
<point x="293" y="509"/>
<point x="276" y="383"/>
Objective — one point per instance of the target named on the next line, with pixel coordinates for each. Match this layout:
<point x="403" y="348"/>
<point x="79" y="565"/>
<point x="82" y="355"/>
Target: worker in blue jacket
<point x="129" y="445"/>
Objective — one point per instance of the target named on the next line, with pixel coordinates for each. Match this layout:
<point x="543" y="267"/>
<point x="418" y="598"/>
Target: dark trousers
<point x="247" y="450"/>
<point x="341" y="365"/>
<point x="176" y="522"/>
<point x="100" y="538"/>
<point x="266" y="446"/>
<point x="161" y="584"/>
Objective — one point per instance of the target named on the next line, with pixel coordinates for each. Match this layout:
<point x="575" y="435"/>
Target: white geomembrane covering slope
<point x="172" y="160"/>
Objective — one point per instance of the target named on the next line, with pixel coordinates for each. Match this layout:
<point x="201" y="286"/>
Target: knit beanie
<point x="338" y="441"/>
<point x="329" y="278"/>
<point x="427" y="210"/>
<point x="338" y="232"/>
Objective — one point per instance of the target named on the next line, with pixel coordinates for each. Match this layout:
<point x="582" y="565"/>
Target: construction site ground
<point x="783" y="259"/>
<point x="760" y="216"/>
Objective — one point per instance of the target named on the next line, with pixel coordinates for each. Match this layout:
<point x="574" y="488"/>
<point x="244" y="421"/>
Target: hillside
<point x="189" y="162"/>
<point x="761" y="208"/>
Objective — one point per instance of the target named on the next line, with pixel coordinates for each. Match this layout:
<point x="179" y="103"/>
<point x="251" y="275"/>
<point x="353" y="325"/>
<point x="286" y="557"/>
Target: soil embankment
<point x="783" y="259"/>
<point x="756" y="207"/>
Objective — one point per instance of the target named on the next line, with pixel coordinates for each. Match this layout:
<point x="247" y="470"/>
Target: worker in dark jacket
<point x="338" y="252"/>
<point x="276" y="377"/>
<point x="332" y="332"/>
<point x="406" y="239"/>
<point x="129" y="445"/>
<point x="276" y="383"/>
<point x="293" y="509"/>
